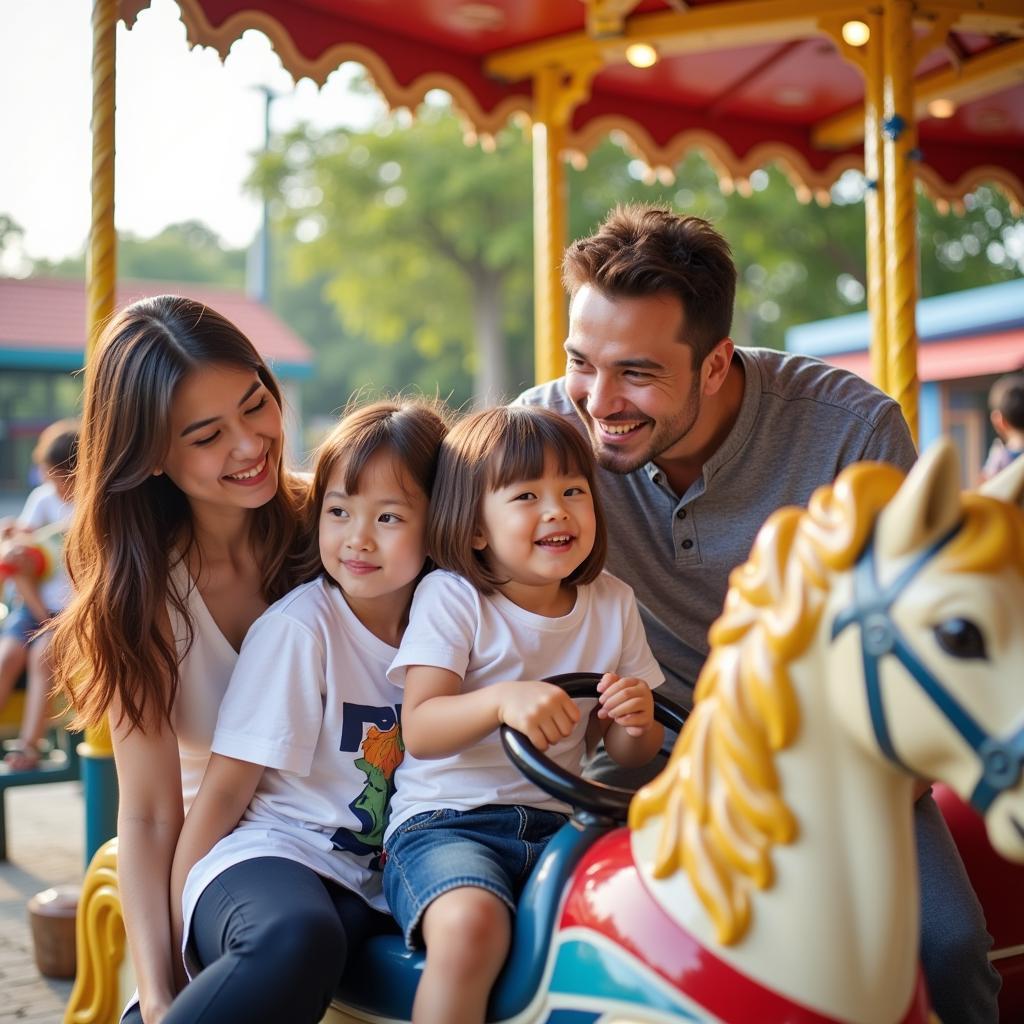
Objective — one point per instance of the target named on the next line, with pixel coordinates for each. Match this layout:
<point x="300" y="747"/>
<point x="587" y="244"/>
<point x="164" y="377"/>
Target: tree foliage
<point x="189" y="251"/>
<point x="406" y="231"/>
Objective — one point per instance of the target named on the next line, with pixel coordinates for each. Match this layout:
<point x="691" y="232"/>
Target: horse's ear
<point x="1007" y="484"/>
<point x="926" y="506"/>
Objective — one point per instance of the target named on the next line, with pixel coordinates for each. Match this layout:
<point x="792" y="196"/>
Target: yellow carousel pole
<point x="874" y="200"/>
<point x="555" y="95"/>
<point x="101" y="271"/>
<point x="900" y="209"/>
<point x="98" y="994"/>
<point x="549" y="227"/>
<point x="99" y="779"/>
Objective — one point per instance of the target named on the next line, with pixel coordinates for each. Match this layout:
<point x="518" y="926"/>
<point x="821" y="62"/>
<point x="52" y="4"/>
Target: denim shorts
<point x="493" y="848"/>
<point x="20" y="624"/>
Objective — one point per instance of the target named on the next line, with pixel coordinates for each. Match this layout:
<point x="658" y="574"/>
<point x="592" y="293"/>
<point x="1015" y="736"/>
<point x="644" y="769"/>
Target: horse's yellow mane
<point x="719" y="798"/>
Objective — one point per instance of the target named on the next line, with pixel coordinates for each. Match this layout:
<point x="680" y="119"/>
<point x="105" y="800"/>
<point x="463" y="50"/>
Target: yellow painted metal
<point x="900" y="210"/>
<point x="549" y="227"/>
<point x="994" y="70"/>
<point x="986" y="17"/>
<point x="101" y="263"/>
<point x="97" y="741"/>
<point x="606" y="17"/>
<point x="555" y="96"/>
<point x="697" y="30"/>
<point x="97" y="997"/>
<point x="874" y="199"/>
<point x="869" y="59"/>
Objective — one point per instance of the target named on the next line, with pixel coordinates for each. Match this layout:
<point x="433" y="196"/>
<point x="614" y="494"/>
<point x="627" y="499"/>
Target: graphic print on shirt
<point x="376" y="734"/>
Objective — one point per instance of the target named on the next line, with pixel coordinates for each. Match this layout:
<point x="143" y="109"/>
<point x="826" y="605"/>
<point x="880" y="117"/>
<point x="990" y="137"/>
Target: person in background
<point x="1006" y="410"/>
<point x="699" y="441"/>
<point x="41" y="586"/>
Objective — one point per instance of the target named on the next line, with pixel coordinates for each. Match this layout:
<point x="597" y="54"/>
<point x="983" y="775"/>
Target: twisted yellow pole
<point x="556" y="93"/>
<point x="549" y="228"/>
<point x="101" y="263"/>
<point x="874" y="200"/>
<point x="900" y="211"/>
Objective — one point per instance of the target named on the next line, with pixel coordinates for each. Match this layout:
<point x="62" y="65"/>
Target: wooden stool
<point x="52" y="916"/>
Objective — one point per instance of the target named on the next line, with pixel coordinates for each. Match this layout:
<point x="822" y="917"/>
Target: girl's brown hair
<point x="112" y="639"/>
<point x="489" y="450"/>
<point x="409" y="429"/>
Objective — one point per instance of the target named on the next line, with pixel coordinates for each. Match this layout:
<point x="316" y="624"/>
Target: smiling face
<point x="226" y="439"/>
<point x="373" y="542"/>
<point x="630" y="376"/>
<point x="535" y="533"/>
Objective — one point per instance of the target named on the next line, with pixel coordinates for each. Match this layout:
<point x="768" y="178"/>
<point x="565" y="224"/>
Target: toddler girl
<point x="517" y="530"/>
<point x="290" y="815"/>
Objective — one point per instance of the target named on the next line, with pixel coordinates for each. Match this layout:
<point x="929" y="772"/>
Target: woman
<point x="186" y="528"/>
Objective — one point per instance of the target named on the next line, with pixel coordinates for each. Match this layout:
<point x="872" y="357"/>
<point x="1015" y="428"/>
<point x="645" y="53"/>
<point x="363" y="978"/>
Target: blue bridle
<point x="1002" y="760"/>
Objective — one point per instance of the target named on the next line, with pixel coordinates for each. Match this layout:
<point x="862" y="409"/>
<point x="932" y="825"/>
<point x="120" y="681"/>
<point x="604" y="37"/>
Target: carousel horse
<point x="768" y="873"/>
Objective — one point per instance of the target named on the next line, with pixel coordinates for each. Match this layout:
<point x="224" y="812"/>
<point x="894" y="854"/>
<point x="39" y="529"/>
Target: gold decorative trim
<point x="950" y="194"/>
<point x="100" y="937"/>
<point x="200" y="32"/>
<point x="733" y="171"/>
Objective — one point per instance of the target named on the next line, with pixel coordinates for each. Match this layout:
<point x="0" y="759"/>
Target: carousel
<point x="712" y="902"/>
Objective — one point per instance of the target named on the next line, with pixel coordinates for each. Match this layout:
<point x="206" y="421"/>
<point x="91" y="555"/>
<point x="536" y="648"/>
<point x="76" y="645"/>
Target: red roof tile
<point x="48" y="314"/>
<point x="980" y="355"/>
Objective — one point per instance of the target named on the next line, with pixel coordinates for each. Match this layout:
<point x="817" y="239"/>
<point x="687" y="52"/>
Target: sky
<point x="187" y="124"/>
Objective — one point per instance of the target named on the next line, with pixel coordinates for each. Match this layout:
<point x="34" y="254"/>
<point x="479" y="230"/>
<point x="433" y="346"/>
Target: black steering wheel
<point x="583" y="794"/>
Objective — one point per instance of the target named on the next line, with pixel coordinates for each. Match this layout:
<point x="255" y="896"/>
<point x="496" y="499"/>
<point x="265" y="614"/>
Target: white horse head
<point x="870" y="639"/>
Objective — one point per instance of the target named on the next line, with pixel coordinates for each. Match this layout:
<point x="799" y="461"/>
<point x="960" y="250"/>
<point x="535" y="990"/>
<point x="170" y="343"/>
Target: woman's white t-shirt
<point x="490" y="639"/>
<point x="204" y="669"/>
<point x="310" y="700"/>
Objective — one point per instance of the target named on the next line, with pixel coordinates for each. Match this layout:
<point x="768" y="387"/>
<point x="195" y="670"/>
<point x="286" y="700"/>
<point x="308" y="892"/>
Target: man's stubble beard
<point x="665" y="436"/>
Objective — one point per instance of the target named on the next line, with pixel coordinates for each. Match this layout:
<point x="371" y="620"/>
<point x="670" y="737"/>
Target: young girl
<point x="307" y="742"/>
<point x="186" y="525"/>
<point x="517" y="525"/>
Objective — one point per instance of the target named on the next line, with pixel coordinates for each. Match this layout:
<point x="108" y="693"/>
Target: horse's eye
<point x="961" y="638"/>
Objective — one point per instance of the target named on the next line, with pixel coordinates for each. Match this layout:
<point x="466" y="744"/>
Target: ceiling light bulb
<point x="856" y="33"/>
<point x="941" y="108"/>
<point x="641" y="55"/>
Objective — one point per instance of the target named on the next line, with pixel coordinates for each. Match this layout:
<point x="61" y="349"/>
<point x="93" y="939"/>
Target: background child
<point x="1006" y="405"/>
<point x="48" y="510"/>
<point x="307" y="742"/>
<point x="516" y="523"/>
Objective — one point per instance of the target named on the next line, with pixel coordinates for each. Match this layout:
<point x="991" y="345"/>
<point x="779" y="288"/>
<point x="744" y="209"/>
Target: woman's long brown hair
<point x="112" y="639"/>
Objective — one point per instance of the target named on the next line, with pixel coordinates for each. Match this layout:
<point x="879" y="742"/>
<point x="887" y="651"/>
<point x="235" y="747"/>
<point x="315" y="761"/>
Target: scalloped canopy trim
<point x="733" y="171"/>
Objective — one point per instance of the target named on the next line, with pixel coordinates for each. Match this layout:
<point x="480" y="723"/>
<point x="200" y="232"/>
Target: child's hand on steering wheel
<point x="627" y="701"/>
<point x="544" y="713"/>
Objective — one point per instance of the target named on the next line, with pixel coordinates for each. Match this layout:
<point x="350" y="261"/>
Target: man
<point x="699" y="442"/>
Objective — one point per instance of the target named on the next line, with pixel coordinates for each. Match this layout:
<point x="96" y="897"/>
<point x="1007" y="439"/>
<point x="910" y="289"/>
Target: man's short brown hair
<point x="644" y="250"/>
<point x="489" y="450"/>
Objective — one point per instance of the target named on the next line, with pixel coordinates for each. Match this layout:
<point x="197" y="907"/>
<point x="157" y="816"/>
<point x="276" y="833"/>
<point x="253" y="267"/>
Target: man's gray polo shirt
<point x="800" y="423"/>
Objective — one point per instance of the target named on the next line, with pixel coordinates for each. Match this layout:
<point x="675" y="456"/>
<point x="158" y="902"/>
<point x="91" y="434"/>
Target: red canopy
<point x="749" y="81"/>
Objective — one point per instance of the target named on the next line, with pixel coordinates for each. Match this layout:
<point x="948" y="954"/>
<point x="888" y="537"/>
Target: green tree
<point x="423" y="246"/>
<point x="422" y="241"/>
<point x="189" y="251"/>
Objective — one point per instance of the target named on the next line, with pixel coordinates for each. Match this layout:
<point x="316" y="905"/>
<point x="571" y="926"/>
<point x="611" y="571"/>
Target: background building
<point x="42" y="351"/>
<point x="967" y="339"/>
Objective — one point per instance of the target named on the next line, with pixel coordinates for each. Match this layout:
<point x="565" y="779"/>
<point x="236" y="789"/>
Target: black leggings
<point x="273" y="938"/>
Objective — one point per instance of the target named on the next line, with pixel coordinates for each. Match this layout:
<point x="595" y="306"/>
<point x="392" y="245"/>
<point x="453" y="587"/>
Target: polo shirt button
<point x="681" y="514"/>
<point x="687" y="544"/>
